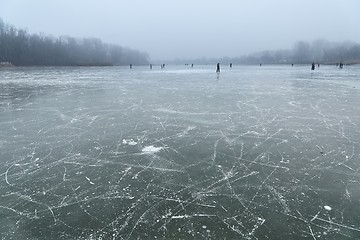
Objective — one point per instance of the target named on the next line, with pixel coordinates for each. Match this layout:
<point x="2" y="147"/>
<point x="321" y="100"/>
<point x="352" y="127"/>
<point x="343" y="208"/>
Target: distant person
<point x="192" y="65"/>
<point x="130" y="66"/>
<point x="341" y="65"/>
<point x="150" y="66"/>
<point x="230" y="65"/>
<point x="318" y="65"/>
<point x="292" y="64"/>
<point x="218" y="67"/>
<point x="313" y="66"/>
<point x="260" y="64"/>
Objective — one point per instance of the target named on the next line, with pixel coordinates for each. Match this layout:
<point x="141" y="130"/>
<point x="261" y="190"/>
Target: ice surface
<point x="114" y="153"/>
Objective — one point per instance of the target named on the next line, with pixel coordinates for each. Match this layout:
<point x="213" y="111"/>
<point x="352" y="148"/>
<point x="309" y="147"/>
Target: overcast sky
<point x="168" y="29"/>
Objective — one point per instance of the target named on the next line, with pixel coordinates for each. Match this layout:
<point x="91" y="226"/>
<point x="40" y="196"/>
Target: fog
<point x="187" y="28"/>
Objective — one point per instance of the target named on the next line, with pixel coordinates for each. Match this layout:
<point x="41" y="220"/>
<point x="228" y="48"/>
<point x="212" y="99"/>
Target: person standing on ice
<point x="218" y="67"/>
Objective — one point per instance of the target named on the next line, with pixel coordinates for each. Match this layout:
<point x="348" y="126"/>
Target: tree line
<point x="302" y="52"/>
<point x="319" y="51"/>
<point x="20" y="48"/>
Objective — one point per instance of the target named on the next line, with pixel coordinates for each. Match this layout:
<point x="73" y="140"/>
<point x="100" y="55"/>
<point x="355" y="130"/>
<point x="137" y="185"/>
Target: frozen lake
<point x="269" y="152"/>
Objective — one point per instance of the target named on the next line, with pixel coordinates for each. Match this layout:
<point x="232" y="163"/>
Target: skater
<point x="218" y="68"/>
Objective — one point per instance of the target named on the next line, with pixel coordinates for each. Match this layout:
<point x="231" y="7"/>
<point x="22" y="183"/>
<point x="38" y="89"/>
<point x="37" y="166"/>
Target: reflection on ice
<point x="109" y="153"/>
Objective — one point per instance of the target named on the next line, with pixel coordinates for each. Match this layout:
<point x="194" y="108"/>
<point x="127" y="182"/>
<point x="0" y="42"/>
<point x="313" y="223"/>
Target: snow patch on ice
<point x="328" y="208"/>
<point x="130" y="142"/>
<point x="151" y="149"/>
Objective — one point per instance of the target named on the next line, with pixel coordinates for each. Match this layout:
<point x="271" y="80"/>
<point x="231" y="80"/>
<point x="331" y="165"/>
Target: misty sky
<point x="168" y="29"/>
